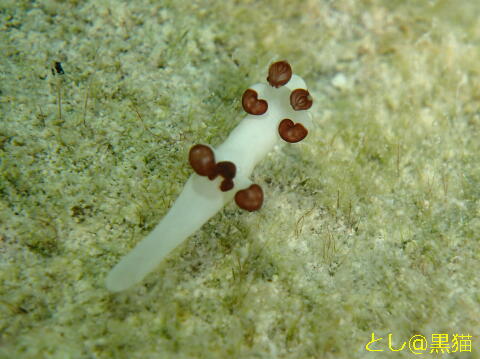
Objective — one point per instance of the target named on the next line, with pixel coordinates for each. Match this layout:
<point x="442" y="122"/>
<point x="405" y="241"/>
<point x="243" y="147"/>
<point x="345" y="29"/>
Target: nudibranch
<point x="276" y="111"/>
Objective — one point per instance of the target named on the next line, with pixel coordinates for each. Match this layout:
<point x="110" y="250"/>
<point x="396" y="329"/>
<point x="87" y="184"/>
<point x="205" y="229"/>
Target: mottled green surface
<point x="370" y="224"/>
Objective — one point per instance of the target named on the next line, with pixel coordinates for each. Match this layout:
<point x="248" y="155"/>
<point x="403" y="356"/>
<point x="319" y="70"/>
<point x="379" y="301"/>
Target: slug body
<point x="222" y="174"/>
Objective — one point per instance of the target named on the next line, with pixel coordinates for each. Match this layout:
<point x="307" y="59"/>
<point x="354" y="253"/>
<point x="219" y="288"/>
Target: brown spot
<point x="250" y="199"/>
<point x="202" y="160"/>
<point x="291" y="132"/>
<point x="279" y="73"/>
<point x="227" y="170"/>
<point x="226" y="185"/>
<point x="252" y="105"/>
<point x="300" y="99"/>
<point x="58" y="68"/>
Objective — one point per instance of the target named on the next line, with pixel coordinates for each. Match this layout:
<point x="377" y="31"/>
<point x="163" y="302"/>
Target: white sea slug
<point x="277" y="110"/>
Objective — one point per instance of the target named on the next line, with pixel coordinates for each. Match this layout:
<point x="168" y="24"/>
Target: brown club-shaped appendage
<point x="250" y="199"/>
<point x="291" y="132"/>
<point x="300" y="99"/>
<point x="202" y="160"/>
<point x="227" y="170"/>
<point x="279" y="73"/>
<point x="252" y="105"/>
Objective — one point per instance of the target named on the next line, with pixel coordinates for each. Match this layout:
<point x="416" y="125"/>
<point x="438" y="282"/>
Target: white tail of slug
<point x="199" y="201"/>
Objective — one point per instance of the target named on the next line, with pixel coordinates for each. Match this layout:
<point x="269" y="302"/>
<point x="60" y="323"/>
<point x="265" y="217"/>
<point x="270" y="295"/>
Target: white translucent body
<point x="201" y="198"/>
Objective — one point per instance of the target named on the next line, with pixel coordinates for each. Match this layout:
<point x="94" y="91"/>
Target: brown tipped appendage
<point x="227" y="170"/>
<point x="300" y="99"/>
<point x="291" y="132"/>
<point x="252" y="105"/>
<point x="279" y="73"/>
<point x="250" y="199"/>
<point x="202" y="160"/>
